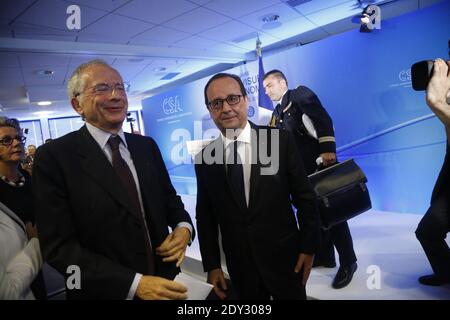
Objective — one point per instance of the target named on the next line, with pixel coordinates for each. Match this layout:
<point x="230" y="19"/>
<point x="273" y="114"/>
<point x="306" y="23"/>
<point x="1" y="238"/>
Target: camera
<point x="421" y="73"/>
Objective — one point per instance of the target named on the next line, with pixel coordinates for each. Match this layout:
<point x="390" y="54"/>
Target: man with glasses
<point x="105" y="201"/>
<point x="267" y="255"/>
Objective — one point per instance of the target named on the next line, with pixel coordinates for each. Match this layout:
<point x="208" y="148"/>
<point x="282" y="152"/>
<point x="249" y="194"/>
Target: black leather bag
<point x="341" y="192"/>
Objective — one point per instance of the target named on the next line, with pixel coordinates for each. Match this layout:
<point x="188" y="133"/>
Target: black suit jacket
<point x="442" y="186"/>
<point x="263" y="240"/>
<point x="85" y="218"/>
<point x="288" y="116"/>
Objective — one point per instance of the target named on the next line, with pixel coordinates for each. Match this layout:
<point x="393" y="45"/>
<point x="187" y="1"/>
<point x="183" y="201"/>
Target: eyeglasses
<point x="217" y="104"/>
<point x="106" y="88"/>
<point x="7" y="140"/>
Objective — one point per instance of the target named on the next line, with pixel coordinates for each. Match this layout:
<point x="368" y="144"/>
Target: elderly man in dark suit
<point x="104" y="200"/>
<point x="247" y="181"/>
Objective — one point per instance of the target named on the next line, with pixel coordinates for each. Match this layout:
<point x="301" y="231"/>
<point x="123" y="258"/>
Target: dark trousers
<point x="338" y="236"/>
<point x="431" y="233"/>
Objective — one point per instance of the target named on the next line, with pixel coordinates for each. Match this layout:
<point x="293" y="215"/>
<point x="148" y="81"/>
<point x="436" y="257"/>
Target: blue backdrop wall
<point x="363" y="80"/>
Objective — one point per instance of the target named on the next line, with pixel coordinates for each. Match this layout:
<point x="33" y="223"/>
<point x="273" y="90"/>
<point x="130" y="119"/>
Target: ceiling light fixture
<point x="42" y="113"/>
<point x="271" y="21"/>
<point x="44" y="103"/>
<point x="159" y="69"/>
<point x="270" y="18"/>
<point x="44" y="72"/>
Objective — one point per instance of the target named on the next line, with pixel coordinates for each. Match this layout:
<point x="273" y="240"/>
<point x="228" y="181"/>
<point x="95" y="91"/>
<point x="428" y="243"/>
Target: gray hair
<point x="76" y="82"/>
<point x="10" y="122"/>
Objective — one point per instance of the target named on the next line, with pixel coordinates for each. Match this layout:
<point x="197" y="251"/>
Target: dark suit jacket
<point x="442" y="186"/>
<point x="84" y="217"/>
<point x="263" y="240"/>
<point x="288" y="116"/>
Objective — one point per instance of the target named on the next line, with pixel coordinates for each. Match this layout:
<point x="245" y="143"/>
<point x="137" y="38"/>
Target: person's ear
<point x="76" y="106"/>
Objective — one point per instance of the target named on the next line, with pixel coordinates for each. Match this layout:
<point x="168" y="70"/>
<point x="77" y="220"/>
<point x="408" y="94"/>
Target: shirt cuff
<point x="134" y="285"/>
<point x="186" y="225"/>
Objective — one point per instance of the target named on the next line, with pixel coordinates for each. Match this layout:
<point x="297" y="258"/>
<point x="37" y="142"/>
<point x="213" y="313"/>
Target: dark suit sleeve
<point x="207" y="225"/>
<point x="310" y="105"/>
<point x="304" y="200"/>
<point x="174" y="206"/>
<point x="100" y="276"/>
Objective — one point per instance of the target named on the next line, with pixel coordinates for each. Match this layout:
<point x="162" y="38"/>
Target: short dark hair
<point x="10" y="122"/>
<point x="225" y="75"/>
<point x="277" y="73"/>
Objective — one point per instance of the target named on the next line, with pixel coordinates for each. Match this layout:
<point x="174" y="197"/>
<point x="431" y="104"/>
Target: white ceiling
<point x="194" y="38"/>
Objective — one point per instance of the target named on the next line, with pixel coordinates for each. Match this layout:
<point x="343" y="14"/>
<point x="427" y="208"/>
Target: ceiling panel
<point x="132" y="61"/>
<point x="292" y="28"/>
<point x="228" y="31"/>
<point x="27" y="31"/>
<point x="250" y="44"/>
<point x="11" y="9"/>
<point x="319" y="5"/>
<point x="105" y="5"/>
<point x="228" y="47"/>
<point x="160" y="34"/>
<point x="128" y="72"/>
<point x="5" y="30"/>
<point x="9" y="59"/>
<point x="338" y="12"/>
<point x="10" y="77"/>
<point x="156" y="11"/>
<point x="200" y="2"/>
<point x="47" y="93"/>
<point x="239" y="8"/>
<point x="76" y="60"/>
<point x="34" y="79"/>
<point x="196" y="42"/>
<point x="115" y="26"/>
<point x="197" y="20"/>
<point x="285" y="13"/>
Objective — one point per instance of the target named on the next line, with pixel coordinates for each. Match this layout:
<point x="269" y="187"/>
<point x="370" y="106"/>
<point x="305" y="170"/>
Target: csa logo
<point x="172" y="105"/>
<point x="251" y="111"/>
<point x="405" y="75"/>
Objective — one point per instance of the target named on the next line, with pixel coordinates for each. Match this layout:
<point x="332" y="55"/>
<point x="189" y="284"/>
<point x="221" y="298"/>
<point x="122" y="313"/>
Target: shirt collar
<point x="102" y="136"/>
<point x="244" y="136"/>
<point x="279" y="102"/>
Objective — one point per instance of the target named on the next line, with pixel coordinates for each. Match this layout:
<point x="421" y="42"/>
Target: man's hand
<point x="305" y="261"/>
<point x="438" y="91"/>
<point x="217" y="279"/>
<point x="328" y="158"/>
<point x="173" y="247"/>
<point x="157" y="288"/>
<point x="31" y="230"/>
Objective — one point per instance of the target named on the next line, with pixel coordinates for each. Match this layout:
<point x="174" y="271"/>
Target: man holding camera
<point x="435" y="224"/>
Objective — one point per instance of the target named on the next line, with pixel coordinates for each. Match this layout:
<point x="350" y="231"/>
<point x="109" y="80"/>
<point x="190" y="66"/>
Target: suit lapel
<point x="142" y="164"/>
<point x="97" y="166"/>
<point x="218" y="170"/>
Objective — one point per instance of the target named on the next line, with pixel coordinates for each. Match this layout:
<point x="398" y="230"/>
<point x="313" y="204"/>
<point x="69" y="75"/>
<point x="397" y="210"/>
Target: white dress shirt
<point x="245" y="152"/>
<point x="102" y="137"/>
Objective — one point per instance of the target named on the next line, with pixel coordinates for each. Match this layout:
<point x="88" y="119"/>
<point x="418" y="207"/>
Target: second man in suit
<point x="267" y="254"/>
